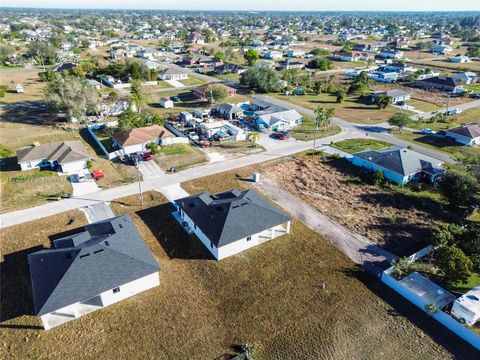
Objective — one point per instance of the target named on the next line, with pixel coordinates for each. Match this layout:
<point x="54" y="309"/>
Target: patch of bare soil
<point x="387" y="218"/>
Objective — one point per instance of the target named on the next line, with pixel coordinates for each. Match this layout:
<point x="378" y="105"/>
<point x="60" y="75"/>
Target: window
<point x="116" y="290"/>
<point x="249" y="238"/>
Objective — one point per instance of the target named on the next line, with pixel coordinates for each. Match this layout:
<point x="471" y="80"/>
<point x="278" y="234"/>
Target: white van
<point x="466" y="309"/>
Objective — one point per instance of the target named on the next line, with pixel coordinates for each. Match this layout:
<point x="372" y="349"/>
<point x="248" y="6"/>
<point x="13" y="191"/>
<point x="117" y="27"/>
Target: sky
<point x="298" y="5"/>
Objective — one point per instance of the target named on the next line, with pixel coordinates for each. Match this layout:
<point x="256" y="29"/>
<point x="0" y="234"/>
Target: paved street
<point x="358" y="248"/>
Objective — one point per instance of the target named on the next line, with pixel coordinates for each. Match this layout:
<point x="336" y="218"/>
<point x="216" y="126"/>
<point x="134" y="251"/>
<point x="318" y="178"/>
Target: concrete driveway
<point x="175" y="83"/>
<point x="371" y="257"/>
<point x="150" y="169"/>
<point x="97" y="212"/>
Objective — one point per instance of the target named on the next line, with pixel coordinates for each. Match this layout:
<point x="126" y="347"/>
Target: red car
<point x="147" y="156"/>
<point x="97" y="174"/>
<point x="279" y="136"/>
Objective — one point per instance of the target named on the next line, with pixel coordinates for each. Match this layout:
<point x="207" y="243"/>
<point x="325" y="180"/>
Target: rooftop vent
<point x="84" y="256"/>
<point x="107" y="243"/>
<point x="98" y="251"/>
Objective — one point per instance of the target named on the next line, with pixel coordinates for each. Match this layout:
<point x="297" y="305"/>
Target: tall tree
<point x="457" y="188"/>
<point x="251" y="56"/>
<point x="137" y="94"/>
<point x="400" y="120"/>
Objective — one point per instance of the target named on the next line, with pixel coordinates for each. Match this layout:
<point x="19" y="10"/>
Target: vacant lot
<point x="352" y="109"/>
<point x="353" y="146"/>
<point x="204" y="309"/>
<point x="306" y="131"/>
<point x="396" y="217"/>
<point x="180" y="156"/>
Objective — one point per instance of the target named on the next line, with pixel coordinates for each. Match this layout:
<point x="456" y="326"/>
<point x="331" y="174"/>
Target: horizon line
<point x="231" y="10"/>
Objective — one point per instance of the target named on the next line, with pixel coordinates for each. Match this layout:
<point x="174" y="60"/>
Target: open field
<point x="423" y="105"/>
<point x="180" y="156"/>
<point x="192" y="81"/>
<point x="226" y="77"/>
<point x="447" y="65"/>
<point x="30" y="80"/>
<point x="351" y="109"/>
<point x="205" y="309"/>
<point x="466" y="116"/>
<point x="352" y="146"/>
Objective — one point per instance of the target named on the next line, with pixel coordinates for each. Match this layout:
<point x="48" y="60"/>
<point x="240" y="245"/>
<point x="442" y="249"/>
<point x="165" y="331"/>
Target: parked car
<point x="147" y="156"/>
<point x="453" y="112"/>
<point x="135" y="159"/>
<point x="475" y="95"/>
<point x="279" y="136"/>
<point x="98" y="174"/>
<point x="174" y="98"/>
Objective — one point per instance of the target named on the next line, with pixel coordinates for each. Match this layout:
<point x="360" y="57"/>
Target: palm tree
<point x="322" y="117"/>
<point x="254" y="137"/>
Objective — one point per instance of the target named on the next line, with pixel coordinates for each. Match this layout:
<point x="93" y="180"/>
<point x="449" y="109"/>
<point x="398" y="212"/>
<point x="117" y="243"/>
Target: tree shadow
<point x="26" y="112"/>
<point x="401" y="307"/>
<point x="174" y="239"/>
<point x="16" y="289"/>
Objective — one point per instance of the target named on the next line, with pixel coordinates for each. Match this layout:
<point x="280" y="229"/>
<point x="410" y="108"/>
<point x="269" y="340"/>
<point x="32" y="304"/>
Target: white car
<point x="453" y="112"/>
<point x="428" y="131"/>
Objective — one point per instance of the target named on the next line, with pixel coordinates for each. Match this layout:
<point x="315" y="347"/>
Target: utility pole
<point x="139" y="183"/>
<point x="448" y="104"/>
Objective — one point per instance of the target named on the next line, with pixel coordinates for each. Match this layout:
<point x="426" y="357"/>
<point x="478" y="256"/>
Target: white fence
<point x="443" y="318"/>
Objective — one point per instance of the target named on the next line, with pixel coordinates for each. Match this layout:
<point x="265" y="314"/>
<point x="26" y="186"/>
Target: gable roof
<point x="141" y="135"/>
<point x="470" y="131"/>
<point x="229" y="108"/>
<point x="290" y="116"/>
<point x="232" y="215"/>
<point x="107" y="254"/>
<point x="402" y="161"/>
<point x="63" y="152"/>
<point x="174" y="71"/>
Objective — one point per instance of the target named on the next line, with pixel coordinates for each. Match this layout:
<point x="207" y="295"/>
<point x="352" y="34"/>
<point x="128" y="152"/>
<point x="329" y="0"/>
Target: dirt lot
<point x="204" y="309"/>
<point x="387" y="217"/>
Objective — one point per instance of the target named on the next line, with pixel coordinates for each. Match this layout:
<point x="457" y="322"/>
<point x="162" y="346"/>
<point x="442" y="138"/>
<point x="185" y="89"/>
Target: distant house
<point x="465" y="78"/>
<point x="396" y="95"/>
<point x="295" y="53"/>
<point x="399" y="165"/>
<point x="65" y="156"/>
<point x="222" y="129"/>
<point x="391" y="54"/>
<point x="273" y="55"/>
<point x="354" y="56"/>
<point x="166" y="103"/>
<point x="440" y="49"/>
<point x="439" y="83"/>
<point x="174" y="74"/>
<point x="66" y="67"/>
<point x="272" y="117"/>
<point x="233" y="221"/>
<point x="104" y="264"/>
<point x="384" y="77"/>
<point x="287" y="65"/>
<point x="148" y="53"/>
<point x="364" y="48"/>
<point x="460" y="59"/>
<point x="185" y="116"/>
<point x="465" y="134"/>
<point x="137" y="139"/>
<point x="202" y="93"/>
<point x="228" y="111"/>
<point x="229" y="68"/>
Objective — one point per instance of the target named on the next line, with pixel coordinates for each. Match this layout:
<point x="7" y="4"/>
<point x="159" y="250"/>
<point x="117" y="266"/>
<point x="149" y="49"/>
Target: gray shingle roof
<point x="400" y="160"/>
<point x="232" y="215"/>
<point x="106" y="255"/>
<point x="62" y="152"/>
<point x="470" y="131"/>
<point x="229" y="108"/>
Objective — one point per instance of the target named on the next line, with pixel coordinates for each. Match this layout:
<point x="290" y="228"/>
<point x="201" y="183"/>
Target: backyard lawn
<point x="423" y="105"/>
<point x="352" y="146"/>
<point x="227" y="77"/>
<point x="352" y="109"/>
<point x="192" y="81"/>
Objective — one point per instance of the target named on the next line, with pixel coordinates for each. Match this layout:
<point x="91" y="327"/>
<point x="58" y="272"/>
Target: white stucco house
<point x="468" y="134"/>
<point x="136" y="140"/>
<point x="64" y="156"/>
<point x="174" y="74"/>
<point x="102" y="265"/>
<point x="233" y="221"/>
<point x="222" y="129"/>
<point x="397" y="95"/>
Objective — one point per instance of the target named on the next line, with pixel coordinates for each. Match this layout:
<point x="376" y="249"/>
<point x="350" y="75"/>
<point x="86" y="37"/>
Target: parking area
<point x="83" y="183"/>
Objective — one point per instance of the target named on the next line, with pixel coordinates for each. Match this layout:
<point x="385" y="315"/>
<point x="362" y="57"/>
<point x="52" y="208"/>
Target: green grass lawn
<point x="163" y="85"/>
<point x="466" y="116"/>
<point x="306" y="131"/>
<point x="422" y="105"/>
<point x="228" y="77"/>
<point x="180" y="156"/>
<point x="462" y="288"/>
<point x="473" y="87"/>
<point x="192" y="81"/>
<point x="352" y="109"/>
<point x="468" y="153"/>
<point x="352" y="146"/>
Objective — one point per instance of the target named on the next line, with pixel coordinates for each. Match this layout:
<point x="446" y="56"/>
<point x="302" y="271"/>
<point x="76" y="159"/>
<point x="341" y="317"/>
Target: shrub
<point x="89" y="164"/>
<point x="153" y="148"/>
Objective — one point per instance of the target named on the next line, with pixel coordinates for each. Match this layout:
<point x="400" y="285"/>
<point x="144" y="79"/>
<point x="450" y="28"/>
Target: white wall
<point x="130" y="289"/>
<point x="74" y="166"/>
<point x="29" y="165"/>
